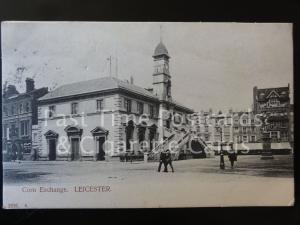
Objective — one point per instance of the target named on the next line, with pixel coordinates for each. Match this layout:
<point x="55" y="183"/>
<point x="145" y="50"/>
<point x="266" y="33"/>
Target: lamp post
<point x="266" y="140"/>
<point x="222" y="164"/>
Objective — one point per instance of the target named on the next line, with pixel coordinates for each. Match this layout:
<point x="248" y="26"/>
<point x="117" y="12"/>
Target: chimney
<point x="29" y="85"/>
<point x="10" y="91"/>
<point x="131" y="79"/>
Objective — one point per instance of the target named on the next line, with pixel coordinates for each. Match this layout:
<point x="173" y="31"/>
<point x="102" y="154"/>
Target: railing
<point x="156" y="149"/>
<point x="165" y="144"/>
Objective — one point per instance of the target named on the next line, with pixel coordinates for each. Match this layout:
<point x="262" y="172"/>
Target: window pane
<point x="74" y="108"/>
<point x="99" y="104"/>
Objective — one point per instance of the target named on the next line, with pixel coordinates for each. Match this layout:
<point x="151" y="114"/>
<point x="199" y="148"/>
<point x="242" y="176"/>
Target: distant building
<point x="244" y="127"/>
<point x="19" y="114"/>
<point x="275" y="102"/>
<point x="75" y="120"/>
<point x="291" y="125"/>
<point x="236" y="127"/>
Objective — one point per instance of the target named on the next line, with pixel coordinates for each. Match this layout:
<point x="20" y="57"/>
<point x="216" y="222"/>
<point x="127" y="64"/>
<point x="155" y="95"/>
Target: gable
<point x="273" y="94"/>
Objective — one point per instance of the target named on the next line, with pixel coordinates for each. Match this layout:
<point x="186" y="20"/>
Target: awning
<point x="282" y="145"/>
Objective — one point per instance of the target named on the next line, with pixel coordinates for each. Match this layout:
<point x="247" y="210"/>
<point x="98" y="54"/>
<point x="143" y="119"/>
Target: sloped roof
<point x="161" y="50"/>
<point x="95" y="85"/>
<point x="34" y="93"/>
<point x="181" y="106"/>
<point x="263" y="94"/>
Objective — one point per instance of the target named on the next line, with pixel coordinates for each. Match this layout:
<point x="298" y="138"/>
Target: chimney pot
<point x="29" y="85"/>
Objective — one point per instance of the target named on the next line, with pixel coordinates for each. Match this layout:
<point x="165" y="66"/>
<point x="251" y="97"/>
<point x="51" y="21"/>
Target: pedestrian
<point x="232" y="156"/>
<point x="168" y="161"/>
<point x="162" y="160"/>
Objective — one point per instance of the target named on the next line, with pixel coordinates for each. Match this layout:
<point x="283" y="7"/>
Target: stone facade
<point x="275" y="102"/>
<point x="237" y="127"/>
<point x="19" y="115"/>
<point x="102" y="118"/>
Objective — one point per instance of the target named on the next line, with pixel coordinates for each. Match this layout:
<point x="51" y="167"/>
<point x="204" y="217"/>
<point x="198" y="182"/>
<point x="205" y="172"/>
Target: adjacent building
<point x="96" y="119"/>
<point x="244" y="128"/>
<point x="275" y="103"/>
<point x="234" y="127"/>
<point x="19" y="114"/>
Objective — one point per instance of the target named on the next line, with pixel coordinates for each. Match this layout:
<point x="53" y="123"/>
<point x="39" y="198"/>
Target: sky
<point x="213" y="65"/>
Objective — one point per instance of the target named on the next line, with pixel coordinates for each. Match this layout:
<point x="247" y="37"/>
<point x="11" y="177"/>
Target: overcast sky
<point x="213" y="65"/>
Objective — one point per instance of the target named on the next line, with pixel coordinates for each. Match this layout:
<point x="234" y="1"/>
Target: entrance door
<point x="101" y="153"/>
<point x="75" y="149"/>
<point x="52" y="149"/>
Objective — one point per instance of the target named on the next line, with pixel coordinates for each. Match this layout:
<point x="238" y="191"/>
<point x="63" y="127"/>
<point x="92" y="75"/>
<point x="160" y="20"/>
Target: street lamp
<point x="222" y="164"/>
<point x="266" y="151"/>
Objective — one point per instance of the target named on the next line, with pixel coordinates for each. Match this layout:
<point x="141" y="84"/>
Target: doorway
<point x="129" y="134"/>
<point x="52" y="149"/>
<point x="75" y="154"/>
<point x="101" y="152"/>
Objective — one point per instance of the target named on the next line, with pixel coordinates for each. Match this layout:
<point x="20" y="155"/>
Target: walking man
<point x="162" y="160"/>
<point x="169" y="161"/>
<point x="232" y="156"/>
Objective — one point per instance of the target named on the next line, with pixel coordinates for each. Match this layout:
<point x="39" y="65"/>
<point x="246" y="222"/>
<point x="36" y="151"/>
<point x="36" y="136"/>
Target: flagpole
<point x="109" y="65"/>
<point x="117" y="67"/>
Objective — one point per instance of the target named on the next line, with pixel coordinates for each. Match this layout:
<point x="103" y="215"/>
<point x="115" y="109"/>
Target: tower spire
<point x="160" y="33"/>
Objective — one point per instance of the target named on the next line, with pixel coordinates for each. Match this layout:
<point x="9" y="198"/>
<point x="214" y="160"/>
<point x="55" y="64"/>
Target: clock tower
<point x="161" y="74"/>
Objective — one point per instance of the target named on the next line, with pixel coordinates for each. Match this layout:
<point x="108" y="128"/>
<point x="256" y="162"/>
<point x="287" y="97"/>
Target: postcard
<point x="147" y="114"/>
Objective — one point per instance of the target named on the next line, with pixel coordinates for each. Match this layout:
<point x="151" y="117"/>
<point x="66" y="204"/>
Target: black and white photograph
<point x="147" y="114"/>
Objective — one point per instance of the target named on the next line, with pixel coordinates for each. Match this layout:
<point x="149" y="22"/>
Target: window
<point x="274" y="135"/>
<point x="12" y="110"/>
<point x="151" y="111"/>
<point x="244" y="129"/>
<point x="167" y="123"/>
<point x="127" y="105"/>
<point x="244" y="121"/>
<point x="236" y="128"/>
<point x="236" y="139"/>
<point x="74" y="108"/>
<point x="24" y="128"/>
<point x="284" y="136"/>
<point x="5" y="111"/>
<point x="245" y="138"/>
<point x="253" y="138"/>
<point x="5" y="131"/>
<point x="21" y="108"/>
<point x="51" y="111"/>
<point x="140" y="107"/>
<point x="27" y="107"/>
<point x="273" y="101"/>
<point x="99" y="104"/>
<point x="13" y="130"/>
<point x="206" y="128"/>
<point x="178" y="118"/>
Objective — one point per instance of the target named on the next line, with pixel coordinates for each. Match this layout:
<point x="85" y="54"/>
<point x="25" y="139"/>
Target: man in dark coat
<point x="168" y="161"/>
<point x="232" y="156"/>
<point x="162" y="160"/>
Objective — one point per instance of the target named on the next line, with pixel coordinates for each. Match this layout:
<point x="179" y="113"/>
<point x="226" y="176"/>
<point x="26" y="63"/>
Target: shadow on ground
<point x="21" y="176"/>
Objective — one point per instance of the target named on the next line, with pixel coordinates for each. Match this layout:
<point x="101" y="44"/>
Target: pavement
<point x="195" y="182"/>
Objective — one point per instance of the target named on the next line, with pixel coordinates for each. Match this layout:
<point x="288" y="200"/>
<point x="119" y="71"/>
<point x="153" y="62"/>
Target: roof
<point x="93" y="86"/>
<point x="161" y="50"/>
<point x="280" y="92"/>
<point x="181" y="106"/>
<point x="34" y="93"/>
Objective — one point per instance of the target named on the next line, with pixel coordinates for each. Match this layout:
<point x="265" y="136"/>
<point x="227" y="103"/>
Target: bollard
<point x="145" y="157"/>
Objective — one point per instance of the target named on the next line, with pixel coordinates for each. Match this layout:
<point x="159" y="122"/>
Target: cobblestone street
<point x="196" y="182"/>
